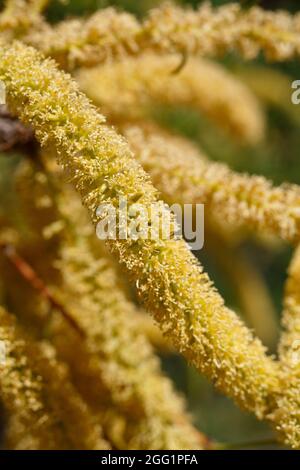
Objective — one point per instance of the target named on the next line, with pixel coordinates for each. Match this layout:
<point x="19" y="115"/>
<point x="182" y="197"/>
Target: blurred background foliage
<point x="277" y="158"/>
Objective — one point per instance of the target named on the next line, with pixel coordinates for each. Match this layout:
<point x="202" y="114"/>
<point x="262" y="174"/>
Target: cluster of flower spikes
<point x="168" y="279"/>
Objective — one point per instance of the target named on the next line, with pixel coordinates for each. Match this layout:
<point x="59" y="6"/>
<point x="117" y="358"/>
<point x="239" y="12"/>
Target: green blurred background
<point x="276" y="158"/>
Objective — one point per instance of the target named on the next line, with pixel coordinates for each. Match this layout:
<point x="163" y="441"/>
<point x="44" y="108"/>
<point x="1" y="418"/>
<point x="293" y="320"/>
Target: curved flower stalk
<point x="207" y="31"/>
<point x="113" y="366"/>
<point x="19" y="15"/>
<point x="44" y="410"/>
<point x="168" y="278"/>
<point x="131" y="87"/>
<point x="179" y="171"/>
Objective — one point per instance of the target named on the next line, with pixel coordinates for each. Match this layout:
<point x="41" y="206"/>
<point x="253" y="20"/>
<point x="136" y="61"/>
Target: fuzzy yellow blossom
<point x="43" y="409"/>
<point x="206" y="31"/>
<point x="181" y="173"/>
<point x="113" y="366"/>
<point x="134" y="86"/>
<point x="168" y="279"/>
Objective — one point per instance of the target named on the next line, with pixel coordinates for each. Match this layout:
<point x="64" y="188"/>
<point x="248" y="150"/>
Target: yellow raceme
<point x="113" y="366"/>
<point x="207" y="31"/>
<point x="168" y="279"/>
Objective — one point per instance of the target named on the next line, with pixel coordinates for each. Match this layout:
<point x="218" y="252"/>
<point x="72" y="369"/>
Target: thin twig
<point x="28" y="273"/>
<point x="13" y="134"/>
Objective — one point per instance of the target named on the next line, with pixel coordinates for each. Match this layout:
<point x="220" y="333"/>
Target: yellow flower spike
<point x="169" y="280"/>
<point x="180" y="172"/>
<point x="207" y="31"/>
<point x="113" y="366"/>
<point x="127" y="89"/>
<point x="44" y="411"/>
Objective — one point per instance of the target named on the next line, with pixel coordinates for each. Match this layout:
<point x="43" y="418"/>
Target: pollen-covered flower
<point x="77" y="367"/>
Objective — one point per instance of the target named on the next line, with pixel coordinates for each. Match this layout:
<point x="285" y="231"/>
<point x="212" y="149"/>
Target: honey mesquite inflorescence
<point x="168" y="278"/>
<point x="207" y="31"/>
<point x="113" y="365"/>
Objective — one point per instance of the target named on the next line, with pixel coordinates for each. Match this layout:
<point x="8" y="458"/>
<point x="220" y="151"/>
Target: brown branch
<point x="13" y="134"/>
<point x="28" y="273"/>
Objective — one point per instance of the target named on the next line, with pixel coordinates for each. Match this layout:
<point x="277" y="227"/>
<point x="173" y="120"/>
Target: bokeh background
<point x="277" y="158"/>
